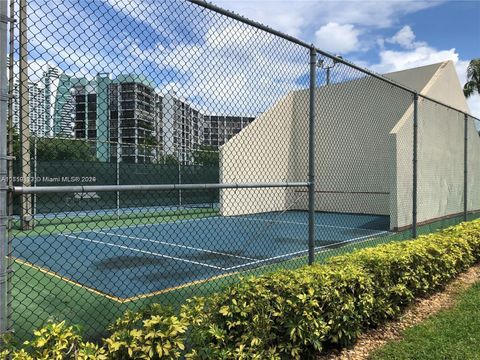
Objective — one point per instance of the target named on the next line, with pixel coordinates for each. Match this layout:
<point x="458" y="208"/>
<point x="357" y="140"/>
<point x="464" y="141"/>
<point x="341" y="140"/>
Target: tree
<point x="168" y="160"/>
<point x="206" y="155"/>
<point x="15" y="143"/>
<point x="51" y="149"/>
<point x="473" y="78"/>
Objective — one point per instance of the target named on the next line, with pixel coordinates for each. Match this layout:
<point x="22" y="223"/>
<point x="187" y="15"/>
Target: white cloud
<point x="378" y="14"/>
<point x="235" y="68"/>
<point x="404" y="37"/>
<point x="227" y="67"/>
<point x="391" y="60"/>
<point x="296" y="17"/>
<point x="242" y="75"/>
<point x="420" y="54"/>
<point x="232" y="71"/>
<point x="278" y="14"/>
<point x="337" y="38"/>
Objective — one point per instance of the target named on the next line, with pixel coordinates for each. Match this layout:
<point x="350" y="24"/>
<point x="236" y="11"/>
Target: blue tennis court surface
<point x="129" y="261"/>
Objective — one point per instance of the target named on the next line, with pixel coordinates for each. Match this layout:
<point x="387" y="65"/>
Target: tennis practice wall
<point x="441" y="133"/>
<point x="257" y="154"/>
<point x="364" y="157"/>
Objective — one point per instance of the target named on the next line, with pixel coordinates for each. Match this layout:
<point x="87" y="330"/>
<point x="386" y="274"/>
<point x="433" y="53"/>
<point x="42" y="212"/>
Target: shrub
<point x="55" y="342"/>
<point x="291" y="314"/>
<point x="153" y="333"/>
<point x="283" y="315"/>
<point x="286" y="314"/>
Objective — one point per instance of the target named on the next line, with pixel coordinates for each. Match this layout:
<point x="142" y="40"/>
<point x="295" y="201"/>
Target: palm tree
<point x="473" y="78"/>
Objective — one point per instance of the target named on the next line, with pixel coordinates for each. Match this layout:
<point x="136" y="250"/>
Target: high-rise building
<point x="50" y="105"/>
<point x="36" y="109"/>
<point x="58" y="102"/>
<point x="126" y="118"/>
<point x="219" y="129"/>
<point x="182" y="127"/>
<point x="134" y="119"/>
<point x="118" y="115"/>
<point x="91" y="115"/>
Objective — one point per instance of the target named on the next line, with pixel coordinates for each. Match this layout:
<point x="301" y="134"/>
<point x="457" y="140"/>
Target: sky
<point x="383" y="36"/>
<point x="225" y="67"/>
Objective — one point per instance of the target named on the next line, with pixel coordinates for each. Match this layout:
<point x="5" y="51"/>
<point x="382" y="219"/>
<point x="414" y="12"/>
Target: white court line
<point x="175" y="245"/>
<point x="300" y="223"/>
<point x="143" y="251"/>
<point x="241" y="217"/>
<point x="303" y="251"/>
<point x="146" y="225"/>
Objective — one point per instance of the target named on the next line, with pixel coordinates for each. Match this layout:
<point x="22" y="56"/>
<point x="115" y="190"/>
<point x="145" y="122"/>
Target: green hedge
<point x="283" y="315"/>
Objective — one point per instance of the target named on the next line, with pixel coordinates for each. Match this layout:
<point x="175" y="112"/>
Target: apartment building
<point x="134" y="118"/>
<point x="49" y="105"/>
<point x="219" y="129"/>
<point x="182" y="128"/>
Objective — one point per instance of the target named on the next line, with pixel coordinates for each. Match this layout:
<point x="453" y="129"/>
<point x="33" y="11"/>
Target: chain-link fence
<point x="158" y="150"/>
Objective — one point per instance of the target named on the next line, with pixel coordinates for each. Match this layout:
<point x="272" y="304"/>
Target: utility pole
<point x="328" y="67"/>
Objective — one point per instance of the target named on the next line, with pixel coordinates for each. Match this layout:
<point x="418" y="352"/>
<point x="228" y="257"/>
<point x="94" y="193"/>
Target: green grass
<point x="39" y="297"/>
<point x="451" y="334"/>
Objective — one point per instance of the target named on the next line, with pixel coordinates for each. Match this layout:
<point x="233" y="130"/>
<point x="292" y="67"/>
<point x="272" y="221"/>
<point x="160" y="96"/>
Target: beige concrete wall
<point x="416" y="78"/>
<point x="401" y="202"/>
<point x="353" y="120"/>
<point x="440" y="154"/>
<point x="444" y="86"/>
<point x="440" y="161"/>
<point x="259" y="153"/>
<point x="364" y="140"/>
<point x="473" y="169"/>
<point x="353" y="154"/>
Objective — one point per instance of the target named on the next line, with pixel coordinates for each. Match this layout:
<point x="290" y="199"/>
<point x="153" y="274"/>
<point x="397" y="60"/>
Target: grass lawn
<point x="451" y="334"/>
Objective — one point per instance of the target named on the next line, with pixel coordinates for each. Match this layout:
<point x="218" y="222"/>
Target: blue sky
<point x="384" y="35"/>
<point x="223" y="66"/>
<point x="464" y="37"/>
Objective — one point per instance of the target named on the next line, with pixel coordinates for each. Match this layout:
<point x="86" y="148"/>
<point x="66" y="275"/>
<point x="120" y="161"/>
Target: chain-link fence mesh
<point x="364" y="130"/>
<point x="161" y="150"/>
<point x="473" y="167"/>
<point x="441" y="133"/>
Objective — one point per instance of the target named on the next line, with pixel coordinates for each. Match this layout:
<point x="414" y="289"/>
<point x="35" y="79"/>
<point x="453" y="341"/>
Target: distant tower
<point x="58" y="102"/>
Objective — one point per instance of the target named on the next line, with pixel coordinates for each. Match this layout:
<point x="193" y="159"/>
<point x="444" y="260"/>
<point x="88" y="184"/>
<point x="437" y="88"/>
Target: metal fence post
<point x="465" y="170"/>
<point x="10" y="154"/>
<point x="311" y="157"/>
<point x="3" y="166"/>
<point x="24" y="97"/>
<point x="415" y="144"/>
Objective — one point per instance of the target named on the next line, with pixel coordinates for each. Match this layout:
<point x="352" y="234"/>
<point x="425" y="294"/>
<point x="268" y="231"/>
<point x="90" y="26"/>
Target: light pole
<point x="322" y="64"/>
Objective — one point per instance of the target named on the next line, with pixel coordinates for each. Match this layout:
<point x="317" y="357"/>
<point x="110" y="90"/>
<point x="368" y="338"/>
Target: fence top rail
<point x="152" y="187"/>
<point x="294" y="40"/>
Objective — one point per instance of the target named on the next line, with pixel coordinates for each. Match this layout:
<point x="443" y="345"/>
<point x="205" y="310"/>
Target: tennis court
<point x="126" y="262"/>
